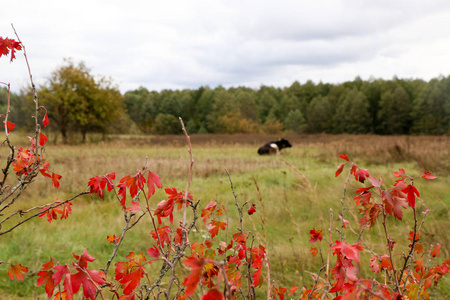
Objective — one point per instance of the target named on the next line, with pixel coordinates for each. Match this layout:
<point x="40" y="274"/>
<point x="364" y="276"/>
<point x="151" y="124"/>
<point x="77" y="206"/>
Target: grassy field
<point x="297" y="190"/>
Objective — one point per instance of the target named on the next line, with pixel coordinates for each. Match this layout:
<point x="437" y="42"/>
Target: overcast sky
<point x="187" y="44"/>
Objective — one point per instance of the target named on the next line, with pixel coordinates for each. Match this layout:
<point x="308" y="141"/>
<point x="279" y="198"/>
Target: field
<point x="296" y="192"/>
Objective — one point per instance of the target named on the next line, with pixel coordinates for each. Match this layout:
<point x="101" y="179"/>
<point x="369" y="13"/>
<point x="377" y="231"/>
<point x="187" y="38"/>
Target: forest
<point x="79" y="102"/>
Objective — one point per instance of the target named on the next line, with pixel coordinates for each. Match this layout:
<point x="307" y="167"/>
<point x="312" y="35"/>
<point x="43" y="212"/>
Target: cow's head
<point x="283" y="143"/>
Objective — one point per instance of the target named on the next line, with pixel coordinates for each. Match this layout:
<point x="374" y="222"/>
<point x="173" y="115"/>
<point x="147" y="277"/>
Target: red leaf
<point x="419" y="264"/>
<point x="9" y="126"/>
<point x="7" y="45"/>
<point x="411" y="191"/>
<point x="46" y="277"/>
<point x="252" y="209"/>
<point x="400" y="173"/>
<point x="344" y="157"/>
<point x="214" y="226"/>
<point x="436" y="250"/>
<point x="257" y="277"/>
<point x="193" y="279"/>
<point x="163" y="233"/>
<point x="361" y="175"/>
<point x="134" y="183"/>
<point x="44" y="169"/>
<point x="52" y="214"/>
<point x="363" y="189"/>
<point x="208" y="210"/>
<point x="87" y="278"/>
<point x="83" y="259"/>
<point x="314" y="251"/>
<point x="292" y="290"/>
<point x="16" y="271"/>
<point x="386" y="262"/>
<point x="364" y="198"/>
<point x="418" y="248"/>
<point x="375" y="182"/>
<point x="45" y="120"/>
<point x="153" y="252"/>
<point x="165" y="209"/>
<point x="353" y="169"/>
<point x="135" y="207"/>
<point x="42" y="139"/>
<point x="137" y="258"/>
<point x="428" y="176"/>
<point x="65" y="210"/>
<point x="61" y="270"/>
<point x="131" y="280"/>
<point x="213" y="294"/>
<point x="198" y="248"/>
<point x="122" y="193"/>
<point x="84" y="277"/>
<point x="113" y="239"/>
<point x="413" y="237"/>
<point x="16" y="46"/>
<point x="315" y="235"/>
<point x="339" y="170"/>
<point x="178" y="197"/>
<point x="55" y="179"/>
<point x="394" y="202"/>
<point x="375" y="264"/>
<point x="279" y="292"/>
<point x="98" y="183"/>
<point x="153" y="180"/>
<point x="349" y="251"/>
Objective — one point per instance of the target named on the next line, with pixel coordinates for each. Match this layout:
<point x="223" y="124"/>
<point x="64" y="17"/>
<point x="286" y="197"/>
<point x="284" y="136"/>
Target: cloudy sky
<point x="169" y="44"/>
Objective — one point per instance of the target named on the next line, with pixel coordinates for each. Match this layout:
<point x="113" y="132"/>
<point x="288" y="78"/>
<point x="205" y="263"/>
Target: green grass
<point x="297" y="191"/>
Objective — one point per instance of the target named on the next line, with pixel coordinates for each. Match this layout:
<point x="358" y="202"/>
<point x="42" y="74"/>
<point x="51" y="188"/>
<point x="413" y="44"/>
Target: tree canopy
<point x="75" y="100"/>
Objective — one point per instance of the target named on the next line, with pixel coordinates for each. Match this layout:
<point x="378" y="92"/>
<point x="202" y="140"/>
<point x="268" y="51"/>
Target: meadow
<point x="293" y="194"/>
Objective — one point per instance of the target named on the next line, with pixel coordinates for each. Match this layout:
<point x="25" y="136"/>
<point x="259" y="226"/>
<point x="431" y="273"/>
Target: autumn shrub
<point x="236" y="123"/>
<point x="225" y="262"/>
<point x="272" y="126"/>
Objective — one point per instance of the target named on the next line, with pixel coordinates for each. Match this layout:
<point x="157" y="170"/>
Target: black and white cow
<point x="274" y="147"/>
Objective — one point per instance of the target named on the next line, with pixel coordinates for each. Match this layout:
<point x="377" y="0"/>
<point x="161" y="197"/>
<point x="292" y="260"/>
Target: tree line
<point x="76" y="99"/>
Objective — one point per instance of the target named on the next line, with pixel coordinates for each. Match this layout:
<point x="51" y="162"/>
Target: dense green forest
<point x="397" y="106"/>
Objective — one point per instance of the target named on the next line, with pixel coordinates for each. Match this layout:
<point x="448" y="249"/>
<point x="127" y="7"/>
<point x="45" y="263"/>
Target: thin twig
<point x="252" y="292"/>
<point x="330" y="244"/>
<point x="191" y="165"/>
<point x="116" y="245"/>
<point x="41" y="212"/>
<point x="343" y="206"/>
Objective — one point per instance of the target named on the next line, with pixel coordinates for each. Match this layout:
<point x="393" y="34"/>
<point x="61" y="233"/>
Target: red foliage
<point x="52" y="214"/>
<point x="316" y="235"/>
<point x="89" y="279"/>
<point x="45" y="120"/>
<point x="16" y="271"/>
<point x="213" y="294"/>
<point x="129" y="273"/>
<point x="46" y="276"/>
<point x="193" y="279"/>
<point x="9" y="45"/>
<point x="98" y="183"/>
<point x="252" y="209"/>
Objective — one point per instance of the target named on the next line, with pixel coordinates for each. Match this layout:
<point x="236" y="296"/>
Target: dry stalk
<point x="251" y="291"/>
